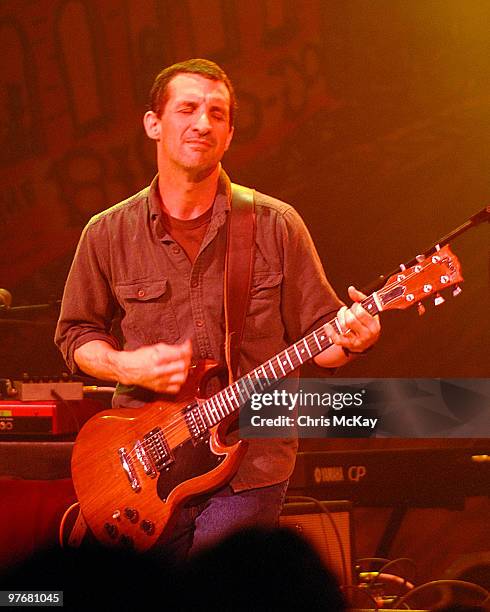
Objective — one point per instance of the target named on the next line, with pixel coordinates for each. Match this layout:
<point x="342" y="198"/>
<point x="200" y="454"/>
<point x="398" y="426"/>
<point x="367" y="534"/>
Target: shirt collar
<point x="222" y="201"/>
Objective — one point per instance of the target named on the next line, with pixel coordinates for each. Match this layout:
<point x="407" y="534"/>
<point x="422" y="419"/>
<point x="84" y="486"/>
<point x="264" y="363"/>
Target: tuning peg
<point x="420" y="258"/>
<point x="457" y="290"/>
<point x="439" y="300"/>
<point x="420" y="309"/>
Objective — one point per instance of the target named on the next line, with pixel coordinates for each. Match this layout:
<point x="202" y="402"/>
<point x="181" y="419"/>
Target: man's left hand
<point x="360" y="329"/>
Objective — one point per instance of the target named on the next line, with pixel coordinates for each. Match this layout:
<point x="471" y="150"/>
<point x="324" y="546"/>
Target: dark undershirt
<point x="188" y="233"/>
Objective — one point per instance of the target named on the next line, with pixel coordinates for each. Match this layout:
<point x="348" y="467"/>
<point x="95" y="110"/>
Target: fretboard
<point x="232" y="398"/>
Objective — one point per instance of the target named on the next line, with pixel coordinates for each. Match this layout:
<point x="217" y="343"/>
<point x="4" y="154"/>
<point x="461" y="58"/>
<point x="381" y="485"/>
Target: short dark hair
<point x="159" y="92"/>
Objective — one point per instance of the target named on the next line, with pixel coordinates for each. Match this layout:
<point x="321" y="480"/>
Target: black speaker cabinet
<point x="327" y="526"/>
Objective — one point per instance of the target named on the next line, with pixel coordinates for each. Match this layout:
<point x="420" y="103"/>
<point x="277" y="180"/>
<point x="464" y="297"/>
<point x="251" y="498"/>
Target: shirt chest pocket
<point x="264" y="312"/>
<point x="147" y="313"/>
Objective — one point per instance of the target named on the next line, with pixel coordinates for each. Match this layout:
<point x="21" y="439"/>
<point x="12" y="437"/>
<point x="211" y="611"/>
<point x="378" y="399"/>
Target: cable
<point x="444" y="583"/>
<point x="63" y="521"/>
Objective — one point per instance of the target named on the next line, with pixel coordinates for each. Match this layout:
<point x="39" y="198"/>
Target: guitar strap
<point x="239" y="260"/>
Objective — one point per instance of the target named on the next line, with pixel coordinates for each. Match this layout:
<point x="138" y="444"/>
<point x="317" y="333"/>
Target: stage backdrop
<point x="371" y="117"/>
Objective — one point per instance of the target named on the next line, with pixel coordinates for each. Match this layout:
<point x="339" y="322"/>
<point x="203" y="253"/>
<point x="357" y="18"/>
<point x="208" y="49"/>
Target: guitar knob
<point x="457" y="290"/>
<point x="116" y="515"/>
<point x="439" y="300"/>
<point x="126" y="541"/>
<point x="420" y="309"/>
<point x="147" y="526"/>
<point x="131" y="514"/>
<point x="111" y="530"/>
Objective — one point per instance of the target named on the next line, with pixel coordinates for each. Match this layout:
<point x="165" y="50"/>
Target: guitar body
<point x="132" y="468"/>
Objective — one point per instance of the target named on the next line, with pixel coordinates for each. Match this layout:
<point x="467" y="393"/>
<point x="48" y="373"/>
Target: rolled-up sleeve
<point x="88" y="304"/>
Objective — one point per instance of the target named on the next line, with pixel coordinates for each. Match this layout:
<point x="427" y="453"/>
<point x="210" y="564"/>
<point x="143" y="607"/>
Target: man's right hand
<point x="160" y="367"/>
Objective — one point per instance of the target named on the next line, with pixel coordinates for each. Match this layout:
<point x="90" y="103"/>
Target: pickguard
<point x="190" y="461"/>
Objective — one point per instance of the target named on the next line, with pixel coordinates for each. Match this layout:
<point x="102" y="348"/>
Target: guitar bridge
<point x="127" y="465"/>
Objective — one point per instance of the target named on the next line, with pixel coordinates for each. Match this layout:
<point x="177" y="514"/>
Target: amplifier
<point x="21" y="420"/>
<point x="327" y="527"/>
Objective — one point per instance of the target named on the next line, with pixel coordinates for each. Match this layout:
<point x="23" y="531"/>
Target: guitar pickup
<point x="157" y="449"/>
<point x="145" y="459"/>
<point x="195" y="422"/>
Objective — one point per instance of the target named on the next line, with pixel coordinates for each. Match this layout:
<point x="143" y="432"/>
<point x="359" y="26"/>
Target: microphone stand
<point x="475" y="220"/>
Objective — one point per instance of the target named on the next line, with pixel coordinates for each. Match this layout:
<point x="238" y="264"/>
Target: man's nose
<point x="202" y="122"/>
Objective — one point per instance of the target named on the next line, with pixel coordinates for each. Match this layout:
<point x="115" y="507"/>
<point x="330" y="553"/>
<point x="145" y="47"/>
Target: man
<point x="157" y="259"/>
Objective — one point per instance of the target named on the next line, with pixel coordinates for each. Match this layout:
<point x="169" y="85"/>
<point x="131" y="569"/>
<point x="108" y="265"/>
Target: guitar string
<point x="179" y="425"/>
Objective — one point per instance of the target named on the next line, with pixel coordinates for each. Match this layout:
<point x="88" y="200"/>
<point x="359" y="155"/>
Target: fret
<point x="205" y="407"/>
<point x="213" y="411"/>
<point x="256" y="374"/>
<point x="266" y="377"/>
<point x="324" y="337"/>
<point x="289" y="359"/>
<point x="239" y="392"/>
<point x="254" y="388"/>
<point x="307" y="347"/>
<point x="316" y="340"/>
<point x="245" y="389"/>
<point x="247" y="384"/>
<point x="370" y="305"/>
<point x="229" y="402"/>
<point x="221" y="401"/>
<point x="326" y="342"/>
<point x="219" y="396"/>
<point x="273" y="371"/>
<point x="335" y="324"/>
<point x="278" y="359"/>
<point x="234" y="396"/>
<point x="297" y="353"/>
<point x="377" y="301"/>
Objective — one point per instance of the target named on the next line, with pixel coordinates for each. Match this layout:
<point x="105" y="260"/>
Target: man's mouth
<point x="199" y="142"/>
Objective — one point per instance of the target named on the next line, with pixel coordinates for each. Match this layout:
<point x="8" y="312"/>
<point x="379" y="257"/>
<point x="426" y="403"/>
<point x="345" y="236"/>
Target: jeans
<point x="200" y="525"/>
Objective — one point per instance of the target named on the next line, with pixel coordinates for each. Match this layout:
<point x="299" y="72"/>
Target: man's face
<point x="194" y="129"/>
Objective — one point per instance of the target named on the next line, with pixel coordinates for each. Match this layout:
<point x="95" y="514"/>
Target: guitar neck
<point x="438" y="271"/>
<point x="232" y="398"/>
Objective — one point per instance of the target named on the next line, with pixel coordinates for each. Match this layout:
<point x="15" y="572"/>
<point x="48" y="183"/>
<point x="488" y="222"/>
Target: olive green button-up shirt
<point x="128" y="273"/>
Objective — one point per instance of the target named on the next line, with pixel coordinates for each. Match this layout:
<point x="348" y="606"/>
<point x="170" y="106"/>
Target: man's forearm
<point x="159" y="367"/>
<point x="98" y="359"/>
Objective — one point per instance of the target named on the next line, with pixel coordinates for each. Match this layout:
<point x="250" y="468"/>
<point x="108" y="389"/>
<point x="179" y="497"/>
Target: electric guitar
<point x="132" y="468"/>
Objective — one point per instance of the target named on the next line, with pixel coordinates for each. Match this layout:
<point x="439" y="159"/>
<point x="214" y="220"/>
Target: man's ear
<point x="152" y="125"/>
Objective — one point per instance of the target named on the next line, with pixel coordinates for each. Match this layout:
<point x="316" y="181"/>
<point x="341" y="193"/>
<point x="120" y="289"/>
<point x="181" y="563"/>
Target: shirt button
<point x="194" y="283"/>
<point x="175" y="250"/>
<point x="141" y="293"/>
<point x="199" y="323"/>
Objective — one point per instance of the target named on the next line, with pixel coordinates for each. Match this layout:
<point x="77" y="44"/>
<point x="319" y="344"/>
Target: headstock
<point x="411" y="285"/>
